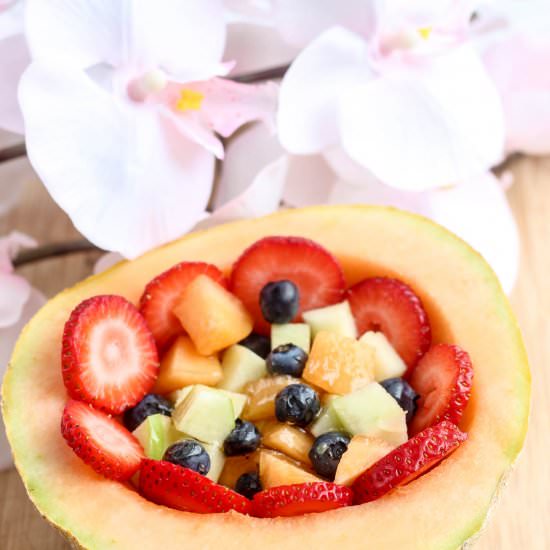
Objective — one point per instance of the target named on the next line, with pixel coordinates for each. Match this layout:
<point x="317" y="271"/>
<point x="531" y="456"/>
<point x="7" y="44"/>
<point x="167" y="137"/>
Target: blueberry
<point x="279" y="301"/>
<point x="287" y="359"/>
<point x="326" y="452"/>
<point x="244" y="438"/>
<point x="149" y="405"/>
<point x="402" y="392"/>
<point x="260" y="345"/>
<point x="189" y="454"/>
<point x="248" y="485"/>
<point x="297" y="404"/>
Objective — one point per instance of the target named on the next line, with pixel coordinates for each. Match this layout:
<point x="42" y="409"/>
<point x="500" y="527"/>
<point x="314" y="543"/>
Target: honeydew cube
<point x="206" y="414"/>
<point x="212" y="316"/>
<point x="155" y="434"/>
<point x="361" y="454"/>
<point x="238" y="399"/>
<point x="327" y="421"/>
<point x="372" y="411"/>
<point x="298" y="334"/>
<point x="388" y="363"/>
<point x="240" y="366"/>
<point x="338" y="364"/>
<point x="182" y="365"/>
<point x="277" y="470"/>
<point x="337" y="319"/>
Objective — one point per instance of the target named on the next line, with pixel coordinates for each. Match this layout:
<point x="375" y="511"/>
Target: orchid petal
<point x="11" y="19"/>
<point x="435" y="126"/>
<point x="257" y="47"/>
<point x="78" y="31"/>
<point x="345" y="168"/>
<point x="308" y="101"/>
<point x="518" y="64"/>
<point x="15" y="292"/>
<point x="10" y="247"/>
<point x="176" y="37"/>
<point x="246" y="154"/>
<point x="192" y="127"/>
<point x="106" y="261"/>
<point x="8" y="337"/>
<point x="309" y="181"/>
<point x="262" y="197"/>
<point x="228" y="105"/>
<point x="126" y="177"/>
<point x="476" y="211"/>
<point x="14" y="59"/>
<point x="300" y="22"/>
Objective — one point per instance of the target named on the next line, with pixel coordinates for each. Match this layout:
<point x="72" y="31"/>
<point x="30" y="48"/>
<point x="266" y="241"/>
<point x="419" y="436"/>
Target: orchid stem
<point x="53" y="250"/>
<point x="13" y="152"/>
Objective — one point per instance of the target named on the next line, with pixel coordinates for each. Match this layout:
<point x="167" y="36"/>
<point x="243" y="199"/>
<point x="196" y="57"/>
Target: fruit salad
<point x="271" y="389"/>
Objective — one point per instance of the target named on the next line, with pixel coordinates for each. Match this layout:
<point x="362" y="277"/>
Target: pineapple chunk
<point x="236" y="466"/>
<point x="261" y="396"/>
<point x="183" y="365"/>
<point x="240" y="366"/>
<point x="339" y="364"/>
<point x="362" y="453"/>
<point x="387" y="363"/>
<point x="212" y="316"/>
<point x="276" y="469"/>
<point x="291" y="441"/>
<point x="298" y="334"/>
<point x="337" y="319"/>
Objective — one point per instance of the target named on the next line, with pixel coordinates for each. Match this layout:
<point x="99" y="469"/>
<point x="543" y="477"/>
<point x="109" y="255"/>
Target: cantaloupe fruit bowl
<point x="441" y="510"/>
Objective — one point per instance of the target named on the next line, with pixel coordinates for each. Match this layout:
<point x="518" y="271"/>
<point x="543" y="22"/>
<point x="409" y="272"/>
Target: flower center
<point x="151" y="82"/>
<point x="406" y="39"/>
<point x="190" y="100"/>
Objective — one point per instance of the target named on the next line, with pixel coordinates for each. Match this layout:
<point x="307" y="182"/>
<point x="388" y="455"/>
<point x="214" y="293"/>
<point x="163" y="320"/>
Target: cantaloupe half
<point x="440" y="510"/>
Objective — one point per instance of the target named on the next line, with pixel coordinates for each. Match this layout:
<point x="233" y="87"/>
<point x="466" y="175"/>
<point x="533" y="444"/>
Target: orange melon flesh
<point x="438" y="511"/>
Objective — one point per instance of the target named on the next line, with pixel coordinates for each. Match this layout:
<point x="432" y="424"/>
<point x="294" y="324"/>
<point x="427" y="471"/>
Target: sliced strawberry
<point x="315" y="272"/>
<point x="443" y="378"/>
<point x="184" y="489"/>
<point x="108" y="356"/>
<point x="302" y="498"/>
<point x="100" y="441"/>
<point x="161" y="294"/>
<point x="408" y="461"/>
<point x="390" y="306"/>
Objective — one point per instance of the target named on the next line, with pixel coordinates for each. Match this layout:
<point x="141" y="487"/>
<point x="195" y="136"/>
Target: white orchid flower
<point x="476" y="209"/>
<point x="18" y="303"/>
<point x="14" y="59"/>
<point x="123" y="106"/>
<point x="513" y="38"/>
<point x="408" y="99"/>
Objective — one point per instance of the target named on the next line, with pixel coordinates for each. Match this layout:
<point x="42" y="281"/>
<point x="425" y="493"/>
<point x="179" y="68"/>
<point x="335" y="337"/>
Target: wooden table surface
<point x="519" y="520"/>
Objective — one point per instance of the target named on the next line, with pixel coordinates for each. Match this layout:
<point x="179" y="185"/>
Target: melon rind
<point x="438" y="511"/>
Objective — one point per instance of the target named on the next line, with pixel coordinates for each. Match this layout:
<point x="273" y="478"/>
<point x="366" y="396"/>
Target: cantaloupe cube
<point x="289" y="440"/>
<point x="362" y="453"/>
<point x="213" y="317"/>
<point x="276" y="469"/>
<point x="182" y="366"/>
<point x="236" y="466"/>
<point x="339" y="364"/>
<point x="261" y="396"/>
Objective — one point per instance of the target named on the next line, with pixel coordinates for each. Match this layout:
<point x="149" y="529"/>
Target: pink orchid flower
<point x="123" y="106"/>
<point x="476" y="209"/>
<point x="14" y="59"/>
<point x="408" y="99"/>
<point x="514" y="41"/>
<point x="18" y="303"/>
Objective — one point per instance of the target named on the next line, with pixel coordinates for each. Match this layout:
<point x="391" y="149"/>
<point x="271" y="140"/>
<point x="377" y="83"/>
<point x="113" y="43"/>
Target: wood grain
<point x="519" y="520"/>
